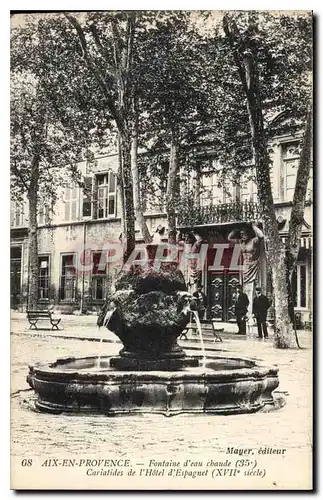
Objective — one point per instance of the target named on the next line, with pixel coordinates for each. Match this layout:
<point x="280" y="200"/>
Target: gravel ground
<point x="199" y="437"/>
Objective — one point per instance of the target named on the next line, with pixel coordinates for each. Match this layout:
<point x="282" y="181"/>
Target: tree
<point x="297" y="214"/>
<point x="40" y="148"/>
<point x="107" y="41"/>
<point x="137" y="185"/>
<point x="263" y="49"/>
<point x="44" y="138"/>
<point x="178" y="94"/>
<point x="153" y="95"/>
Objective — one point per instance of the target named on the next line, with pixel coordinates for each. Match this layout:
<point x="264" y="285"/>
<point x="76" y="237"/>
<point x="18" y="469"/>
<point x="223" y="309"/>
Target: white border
<point x="4" y="184"/>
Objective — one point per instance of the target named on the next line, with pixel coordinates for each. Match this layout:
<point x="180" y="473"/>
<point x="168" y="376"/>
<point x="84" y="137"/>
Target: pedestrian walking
<point x="241" y="309"/>
<point x="261" y="304"/>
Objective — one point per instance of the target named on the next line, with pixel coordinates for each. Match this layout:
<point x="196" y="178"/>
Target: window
<point x="253" y="191"/>
<point x="163" y="177"/>
<point x="107" y="195"/>
<point x="43" y="277"/>
<point x="71" y="200"/>
<point x="226" y="190"/>
<point x="212" y="190"/>
<point x="87" y="197"/>
<point x="289" y="166"/>
<point x="17" y="215"/>
<point x="15" y="274"/>
<point x="153" y="190"/>
<point x="152" y="199"/>
<point x="217" y="189"/>
<point x="99" y="275"/>
<point x="299" y="286"/>
<point x="236" y="191"/>
<point x="44" y="215"/>
<point x="248" y="190"/>
<point x="68" y="278"/>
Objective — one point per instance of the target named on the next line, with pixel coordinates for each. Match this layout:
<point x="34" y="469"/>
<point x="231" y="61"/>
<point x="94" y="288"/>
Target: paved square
<point x="145" y="437"/>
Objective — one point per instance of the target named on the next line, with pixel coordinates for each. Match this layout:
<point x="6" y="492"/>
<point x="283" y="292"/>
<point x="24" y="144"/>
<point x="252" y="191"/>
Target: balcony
<point x="191" y="216"/>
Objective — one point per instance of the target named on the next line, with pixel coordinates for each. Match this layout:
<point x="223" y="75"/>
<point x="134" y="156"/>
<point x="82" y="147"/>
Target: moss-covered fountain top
<point x="148" y="311"/>
<point x="152" y="374"/>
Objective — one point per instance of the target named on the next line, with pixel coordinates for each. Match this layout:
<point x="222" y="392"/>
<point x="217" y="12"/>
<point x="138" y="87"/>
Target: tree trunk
<point x="136" y="185"/>
<point x="124" y="85"/>
<point x="121" y="191"/>
<point x="275" y="251"/>
<point x="197" y="187"/>
<point x="129" y="240"/>
<point x="120" y="110"/>
<point x="171" y="190"/>
<point x="32" y="236"/>
<point x="248" y="72"/>
<point x="297" y="215"/>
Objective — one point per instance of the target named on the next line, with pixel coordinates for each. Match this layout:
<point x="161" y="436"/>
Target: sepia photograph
<point x="161" y="250"/>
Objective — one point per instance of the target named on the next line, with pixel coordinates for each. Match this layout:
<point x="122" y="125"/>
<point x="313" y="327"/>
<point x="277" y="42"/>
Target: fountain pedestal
<point x="148" y="311"/>
<point x="167" y="363"/>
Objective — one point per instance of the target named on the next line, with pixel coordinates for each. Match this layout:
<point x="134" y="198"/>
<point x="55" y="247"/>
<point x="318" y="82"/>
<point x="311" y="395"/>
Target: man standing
<point x="241" y="309"/>
<point x="260" y="307"/>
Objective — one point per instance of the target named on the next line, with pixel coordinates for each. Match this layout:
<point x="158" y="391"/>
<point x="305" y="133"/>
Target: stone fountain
<point x="152" y="373"/>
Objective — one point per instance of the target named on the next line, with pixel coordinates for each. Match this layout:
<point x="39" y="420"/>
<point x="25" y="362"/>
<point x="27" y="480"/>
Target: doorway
<point x="221" y="295"/>
<point x="15" y="276"/>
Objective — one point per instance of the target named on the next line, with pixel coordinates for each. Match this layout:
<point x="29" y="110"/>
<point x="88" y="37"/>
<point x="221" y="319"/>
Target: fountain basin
<point x="224" y="386"/>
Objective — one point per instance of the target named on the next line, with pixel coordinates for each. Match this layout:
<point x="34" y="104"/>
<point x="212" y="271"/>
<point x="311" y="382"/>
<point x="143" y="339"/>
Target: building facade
<point x="90" y="218"/>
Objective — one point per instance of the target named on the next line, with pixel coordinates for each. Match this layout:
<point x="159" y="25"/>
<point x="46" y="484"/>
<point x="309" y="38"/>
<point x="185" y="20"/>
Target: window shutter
<point x="67" y="210"/>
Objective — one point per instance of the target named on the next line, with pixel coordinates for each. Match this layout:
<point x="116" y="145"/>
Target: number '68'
<point x="27" y="462"/>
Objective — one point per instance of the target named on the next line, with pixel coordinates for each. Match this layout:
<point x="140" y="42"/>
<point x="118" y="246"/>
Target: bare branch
<point x="303" y="172"/>
<point x="103" y="51"/>
<point x="117" y="52"/>
<point x="131" y="25"/>
<point x="116" y="47"/>
<point x="95" y="69"/>
<point x="230" y="32"/>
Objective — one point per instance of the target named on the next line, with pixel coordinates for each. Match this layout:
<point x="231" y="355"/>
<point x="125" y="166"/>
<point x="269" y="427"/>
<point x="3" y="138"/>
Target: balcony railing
<point x="190" y="216"/>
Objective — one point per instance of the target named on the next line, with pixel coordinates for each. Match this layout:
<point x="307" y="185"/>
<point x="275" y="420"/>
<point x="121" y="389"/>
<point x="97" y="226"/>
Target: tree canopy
<point x="178" y="85"/>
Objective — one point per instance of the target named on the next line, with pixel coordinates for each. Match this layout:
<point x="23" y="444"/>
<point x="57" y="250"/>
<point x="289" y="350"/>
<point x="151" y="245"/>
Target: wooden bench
<point x="204" y="322"/>
<point x="34" y="316"/>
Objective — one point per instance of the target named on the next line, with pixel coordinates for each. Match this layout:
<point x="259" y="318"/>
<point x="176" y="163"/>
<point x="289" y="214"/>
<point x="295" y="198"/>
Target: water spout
<point x="108" y="315"/>
<point x="100" y="353"/>
<point x="199" y="327"/>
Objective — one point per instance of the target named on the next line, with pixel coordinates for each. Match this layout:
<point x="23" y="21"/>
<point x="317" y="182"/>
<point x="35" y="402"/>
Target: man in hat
<point x="261" y="304"/>
<point x="241" y="309"/>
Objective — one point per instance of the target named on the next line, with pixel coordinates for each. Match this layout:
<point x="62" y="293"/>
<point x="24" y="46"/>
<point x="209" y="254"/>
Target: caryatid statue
<point x="194" y="268"/>
<point x="250" y="249"/>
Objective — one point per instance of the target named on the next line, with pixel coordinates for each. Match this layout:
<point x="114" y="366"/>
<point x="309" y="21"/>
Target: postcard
<point x="161" y="247"/>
